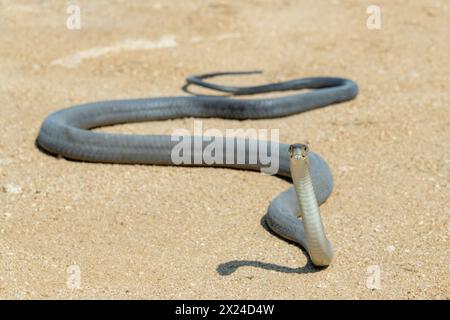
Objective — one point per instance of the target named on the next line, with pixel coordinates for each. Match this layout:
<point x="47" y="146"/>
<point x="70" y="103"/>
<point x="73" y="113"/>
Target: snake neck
<point x="318" y="246"/>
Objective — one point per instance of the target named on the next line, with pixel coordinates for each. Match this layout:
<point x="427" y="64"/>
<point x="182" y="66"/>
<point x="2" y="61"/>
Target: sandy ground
<point x="167" y="232"/>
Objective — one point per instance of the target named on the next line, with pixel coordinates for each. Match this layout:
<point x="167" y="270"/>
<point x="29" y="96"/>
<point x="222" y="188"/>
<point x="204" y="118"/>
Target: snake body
<point x="67" y="133"/>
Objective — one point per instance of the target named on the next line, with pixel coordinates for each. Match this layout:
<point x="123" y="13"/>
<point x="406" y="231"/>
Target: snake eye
<point x="305" y="150"/>
<point x="291" y="151"/>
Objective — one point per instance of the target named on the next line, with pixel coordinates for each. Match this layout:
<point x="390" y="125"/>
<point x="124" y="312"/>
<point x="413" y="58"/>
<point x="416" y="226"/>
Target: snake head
<point x="298" y="151"/>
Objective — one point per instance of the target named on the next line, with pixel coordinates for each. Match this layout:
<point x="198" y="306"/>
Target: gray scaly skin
<point x="66" y="133"/>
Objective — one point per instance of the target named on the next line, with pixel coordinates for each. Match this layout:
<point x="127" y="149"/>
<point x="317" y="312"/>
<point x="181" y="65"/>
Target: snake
<point x="293" y="214"/>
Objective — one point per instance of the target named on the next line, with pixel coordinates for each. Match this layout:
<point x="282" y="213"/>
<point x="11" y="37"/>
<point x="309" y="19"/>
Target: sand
<point x="78" y="230"/>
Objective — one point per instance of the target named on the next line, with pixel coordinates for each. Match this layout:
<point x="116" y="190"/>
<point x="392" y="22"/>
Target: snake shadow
<point x="228" y="268"/>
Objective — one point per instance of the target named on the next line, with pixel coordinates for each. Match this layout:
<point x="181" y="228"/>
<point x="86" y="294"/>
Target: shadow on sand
<point x="228" y="268"/>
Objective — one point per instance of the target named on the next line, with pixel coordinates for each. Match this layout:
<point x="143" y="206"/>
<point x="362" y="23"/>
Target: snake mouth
<point x="298" y="151"/>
